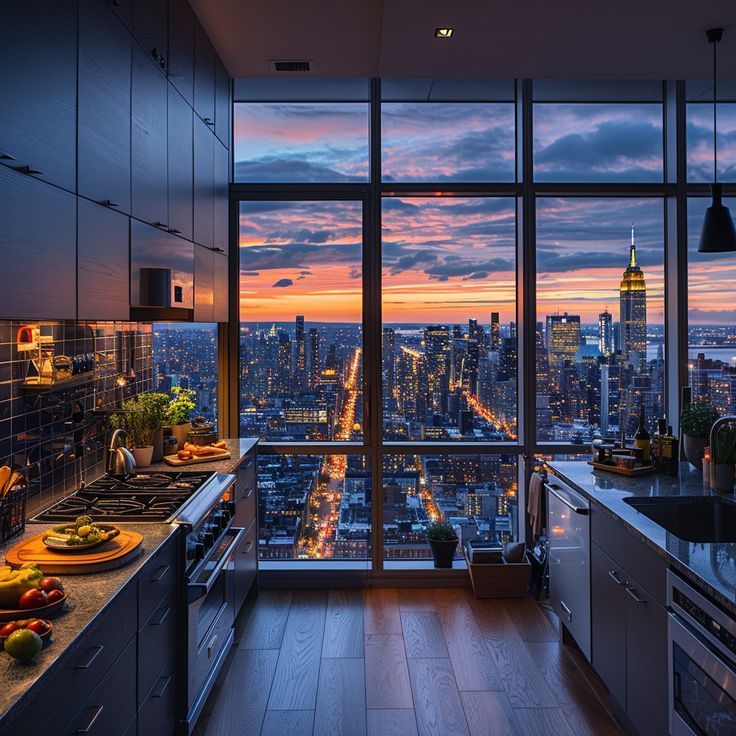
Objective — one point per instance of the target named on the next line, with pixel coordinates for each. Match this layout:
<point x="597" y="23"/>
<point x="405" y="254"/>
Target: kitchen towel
<point x="534" y="503"/>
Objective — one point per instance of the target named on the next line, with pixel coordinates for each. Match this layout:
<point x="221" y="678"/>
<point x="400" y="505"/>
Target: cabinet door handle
<point x="248" y="546"/>
<point x="27" y="170"/>
<point x="211" y="646"/>
<point x="632" y="592"/>
<point x="159" y="574"/>
<point x="616" y="579"/>
<point x="566" y="610"/>
<point x="7" y="157"/>
<point x="218" y="250"/>
<point x="250" y="488"/>
<point x="161" y="686"/>
<point x="207" y="121"/>
<point x="158" y="223"/>
<point x="174" y="230"/>
<point x="95" y="716"/>
<point x="95" y="653"/>
<point x="163" y="617"/>
<point x="109" y="203"/>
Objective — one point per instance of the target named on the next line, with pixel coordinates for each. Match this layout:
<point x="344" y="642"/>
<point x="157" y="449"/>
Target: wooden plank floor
<point x="388" y="662"/>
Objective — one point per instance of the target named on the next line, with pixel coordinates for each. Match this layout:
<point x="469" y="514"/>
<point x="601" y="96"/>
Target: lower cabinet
<point x="157" y="714"/>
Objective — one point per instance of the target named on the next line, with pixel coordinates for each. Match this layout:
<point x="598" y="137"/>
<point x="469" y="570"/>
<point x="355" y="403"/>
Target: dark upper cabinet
<point x="222" y="103"/>
<point x="38" y="246"/>
<point x="204" y="75"/>
<point x="221" y="174"/>
<point x="203" y="284"/>
<point x="151" y="247"/>
<point x="38" y="87"/>
<point x="104" y="106"/>
<point x="221" y="280"/>
<point x="204" y="147"/>
<point x="180" y="63"/>
<point x="181" y="165"/>
<point x="150" y="28"/>
<point x="103" y="256"/>
<point x="148" y="142"/>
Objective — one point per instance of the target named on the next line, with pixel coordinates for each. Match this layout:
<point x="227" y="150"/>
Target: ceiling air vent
<point x="291" y="66"/>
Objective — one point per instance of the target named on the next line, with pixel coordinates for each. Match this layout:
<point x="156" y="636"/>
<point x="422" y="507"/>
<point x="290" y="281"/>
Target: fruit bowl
<point x="7" y="614"/>
<point x="43" y="636"/>
<point x="58" y="544"/>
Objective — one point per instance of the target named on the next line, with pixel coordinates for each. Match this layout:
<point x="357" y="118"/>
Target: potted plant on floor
<point x="443" y="540"/>
<point x="696" y="421"/>
<point x="179" y="413"/>
<point x="722" y="473"/>
<point x="155" y="406"/>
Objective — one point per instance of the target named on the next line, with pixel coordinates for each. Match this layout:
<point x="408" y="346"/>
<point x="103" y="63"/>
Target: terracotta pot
<point x="443" y="551"/>
<point x="722" y="477"/>
<point x="693" y="448"/>
<point x="143" y="456"/>
<point x="181" y="432"/>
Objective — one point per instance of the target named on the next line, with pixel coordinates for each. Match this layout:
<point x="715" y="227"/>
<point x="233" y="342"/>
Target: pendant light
<point x="718" y="234"/>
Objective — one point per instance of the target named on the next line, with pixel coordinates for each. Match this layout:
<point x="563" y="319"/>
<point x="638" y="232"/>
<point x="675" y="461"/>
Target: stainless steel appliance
<point x="209" y="546"/>
<point x="702" y="663"/>
<point x="568" y="530"/>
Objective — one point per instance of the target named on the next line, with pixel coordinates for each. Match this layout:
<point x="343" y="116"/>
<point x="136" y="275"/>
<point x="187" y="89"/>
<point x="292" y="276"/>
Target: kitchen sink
<point x="692" y="518"/>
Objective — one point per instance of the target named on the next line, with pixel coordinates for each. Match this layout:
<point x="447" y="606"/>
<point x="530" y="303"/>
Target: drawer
<point x="245" y="498"/>
<point x="156" y="644"/>
<point x="245" y="566"/>
<point x="157" y="715"/>
<point x="111" y="707"/>
<point x="156" y="580"/>
<point x="633" y="555"/>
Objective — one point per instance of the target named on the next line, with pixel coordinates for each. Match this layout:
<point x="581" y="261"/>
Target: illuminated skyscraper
<point x="495" y="331"/>
<point x="437" y="352"/>
<point x="300" y="362"/>
<point x="314" y="364"/>
<point x="389" y="358"/>
<point x="563" y="340"/>
<point x="633" y="297"/>
<point x="606" y="341"/>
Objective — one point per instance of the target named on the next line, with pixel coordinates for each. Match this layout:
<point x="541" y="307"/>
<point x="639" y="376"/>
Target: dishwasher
<point x="568" y="531"/>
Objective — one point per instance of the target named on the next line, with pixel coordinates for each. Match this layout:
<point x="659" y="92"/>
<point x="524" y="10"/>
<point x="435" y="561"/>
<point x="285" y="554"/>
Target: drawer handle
<point x="95" y="653"/>
<point x="163" y="618"/>
<point x="246" y="465"/>
<point x="211" y="646"/>
<point x="95" y="716"/>
<point x="160" y="224"/>
<point x="248" y="546"/>
<point x="27" y="170"/>
<point x="174" y="231"/>
<point x="6" y="157"/>
<point x="109" y="203"/>
<point x="632" y="592"/>
<point x="251" y="488"/>
<point x="567" y="611"/>
<point x="616" y="579"/>
<point x="160" y="574"/>
<point x="161" y="686"/>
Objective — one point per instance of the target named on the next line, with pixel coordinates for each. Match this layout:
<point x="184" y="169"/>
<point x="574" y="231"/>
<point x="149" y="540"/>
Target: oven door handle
<point x="195" y="591"/>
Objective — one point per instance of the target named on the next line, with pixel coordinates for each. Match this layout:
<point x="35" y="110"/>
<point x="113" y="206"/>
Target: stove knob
<point x="196" y="551"/>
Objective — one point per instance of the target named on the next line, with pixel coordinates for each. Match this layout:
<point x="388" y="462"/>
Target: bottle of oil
<point x="657" y="445"/>
<point x="642" y="439"/>
<point x="670" y="453"/>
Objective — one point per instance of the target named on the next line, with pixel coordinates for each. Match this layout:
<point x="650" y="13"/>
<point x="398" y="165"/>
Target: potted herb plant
<point x="155" y="406"/>
<point x="179" y="413"/>
<point x="722" y="473"/>
<point x="140" y="428"/>
<point x="443" y="541"/>
<point x="696" y="421"/>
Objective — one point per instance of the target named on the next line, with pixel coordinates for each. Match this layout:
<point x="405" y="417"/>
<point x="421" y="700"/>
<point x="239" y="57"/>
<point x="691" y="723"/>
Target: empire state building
<point x="633" y="311"/>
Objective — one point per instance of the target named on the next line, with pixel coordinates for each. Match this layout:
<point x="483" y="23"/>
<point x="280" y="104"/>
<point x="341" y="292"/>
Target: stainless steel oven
<point x="702" y="663"/>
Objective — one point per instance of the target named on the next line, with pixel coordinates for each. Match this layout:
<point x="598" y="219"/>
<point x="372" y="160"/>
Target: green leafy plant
<point x="155" y="406"/>
<point x="140" y="419"/>
<point x="726" y="446"/>
<point x="441" y="531"/>
<point x="181" y="406"/>
<point x="697" y="419"/>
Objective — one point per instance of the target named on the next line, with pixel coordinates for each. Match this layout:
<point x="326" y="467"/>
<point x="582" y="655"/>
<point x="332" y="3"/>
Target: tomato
<point x="8" y="629"/>
<point x="55" y="595"/>
<point x="33" y="599"/>
<point x="50" y="583"/>
<point x="40" y="626"/>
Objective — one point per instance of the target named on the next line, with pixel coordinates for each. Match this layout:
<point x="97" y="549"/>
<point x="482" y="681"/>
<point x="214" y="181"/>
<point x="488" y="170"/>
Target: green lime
<point x="23" y="644"/>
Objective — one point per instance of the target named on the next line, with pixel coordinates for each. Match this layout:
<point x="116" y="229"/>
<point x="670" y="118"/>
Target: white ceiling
<point x="576" y="39"/>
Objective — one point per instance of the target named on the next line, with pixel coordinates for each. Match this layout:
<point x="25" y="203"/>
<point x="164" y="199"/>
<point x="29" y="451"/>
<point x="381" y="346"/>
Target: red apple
<point x="8" y="629"/>
<point x="55" y="595"/>
<point x="40" y="626"/>
<point x="33" y="599"/>
<point x="50" y="583"/>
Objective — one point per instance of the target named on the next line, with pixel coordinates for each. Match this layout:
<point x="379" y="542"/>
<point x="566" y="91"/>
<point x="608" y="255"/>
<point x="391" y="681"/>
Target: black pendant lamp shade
<point x="718" y="234"/>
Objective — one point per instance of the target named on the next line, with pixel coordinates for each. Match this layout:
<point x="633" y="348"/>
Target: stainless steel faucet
<point x="120" y="460"/>
<point x="720" y="422"/>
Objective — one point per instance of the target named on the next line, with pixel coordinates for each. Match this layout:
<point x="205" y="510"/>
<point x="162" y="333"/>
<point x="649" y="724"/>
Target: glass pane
<point x="711" y="316"/>
<point x="600" y="307"/>
<point x="592" y="142"/>
<point x="301" y="142"/>
<point x="477" y="494"/>
<point x="185" y="355"/>
<point x="700" y="142"/>
<point x="449" y="305"/>
<point x="462" y="142"/>
<point x="301" y="375"/>
<point x="314" y="507"/>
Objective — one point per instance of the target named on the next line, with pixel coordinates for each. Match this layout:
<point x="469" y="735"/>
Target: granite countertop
<point x="711" y="565"/>
<point x="90" y="594"/>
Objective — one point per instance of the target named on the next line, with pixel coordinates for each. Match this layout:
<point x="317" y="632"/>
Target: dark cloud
<point x="476" y="276"/>
<point x="276" y="170"/>
<point x="283" y="283"/>
<point x="299" y="256"/>
<point x="467" y="268"/>
<point x="412" y="260"/>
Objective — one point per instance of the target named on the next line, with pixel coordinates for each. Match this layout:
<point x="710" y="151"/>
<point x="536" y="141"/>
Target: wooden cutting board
<point x="125" y="548"/>
<point x="177" y="462"/>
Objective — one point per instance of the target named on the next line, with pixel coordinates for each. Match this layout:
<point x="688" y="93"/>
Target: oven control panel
<point x="201" y="540"/>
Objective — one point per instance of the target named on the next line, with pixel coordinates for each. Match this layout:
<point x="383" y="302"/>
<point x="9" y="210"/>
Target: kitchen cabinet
<point x="123" y="9"/>
<point x="38" y="125"/>
<point x="150" y="28"/>
<point x="221" y="175"/>
<point x="103" y="263"/>
<point x="181" y="48"/>
<point x="104" y="106"/>
<point x="157" y="714"/>
<point x="222" y="103"/>
<point x="148" y="142"/>
<point x="204" y="75"/>
<point x="38" y="242"/>
<point x="246" y="505"/>
<point x="204" y="263"/>
<point x="204" y="183"/>
<point x="221" y="278"/>
<point x="180" y="165"/>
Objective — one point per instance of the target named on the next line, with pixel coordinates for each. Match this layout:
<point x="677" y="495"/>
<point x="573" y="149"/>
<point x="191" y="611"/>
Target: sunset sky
<point x="448" y="259"/>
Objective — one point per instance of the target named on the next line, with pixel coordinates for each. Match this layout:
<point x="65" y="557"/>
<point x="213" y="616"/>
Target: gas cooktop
<point x="144" y="497"/>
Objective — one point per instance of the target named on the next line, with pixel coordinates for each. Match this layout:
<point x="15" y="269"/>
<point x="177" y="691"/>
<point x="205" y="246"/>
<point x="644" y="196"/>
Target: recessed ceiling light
<point x="443" y="32"/>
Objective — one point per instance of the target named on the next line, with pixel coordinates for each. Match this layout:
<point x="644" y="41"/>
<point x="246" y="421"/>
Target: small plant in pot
<point x="155" y="406"/>
<point x="443" y="540"/>
<point x="722" y="472"/>
<point x="696" y="421"/>
<point x="140" y="428"/>
<point x="179" y="413"/>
